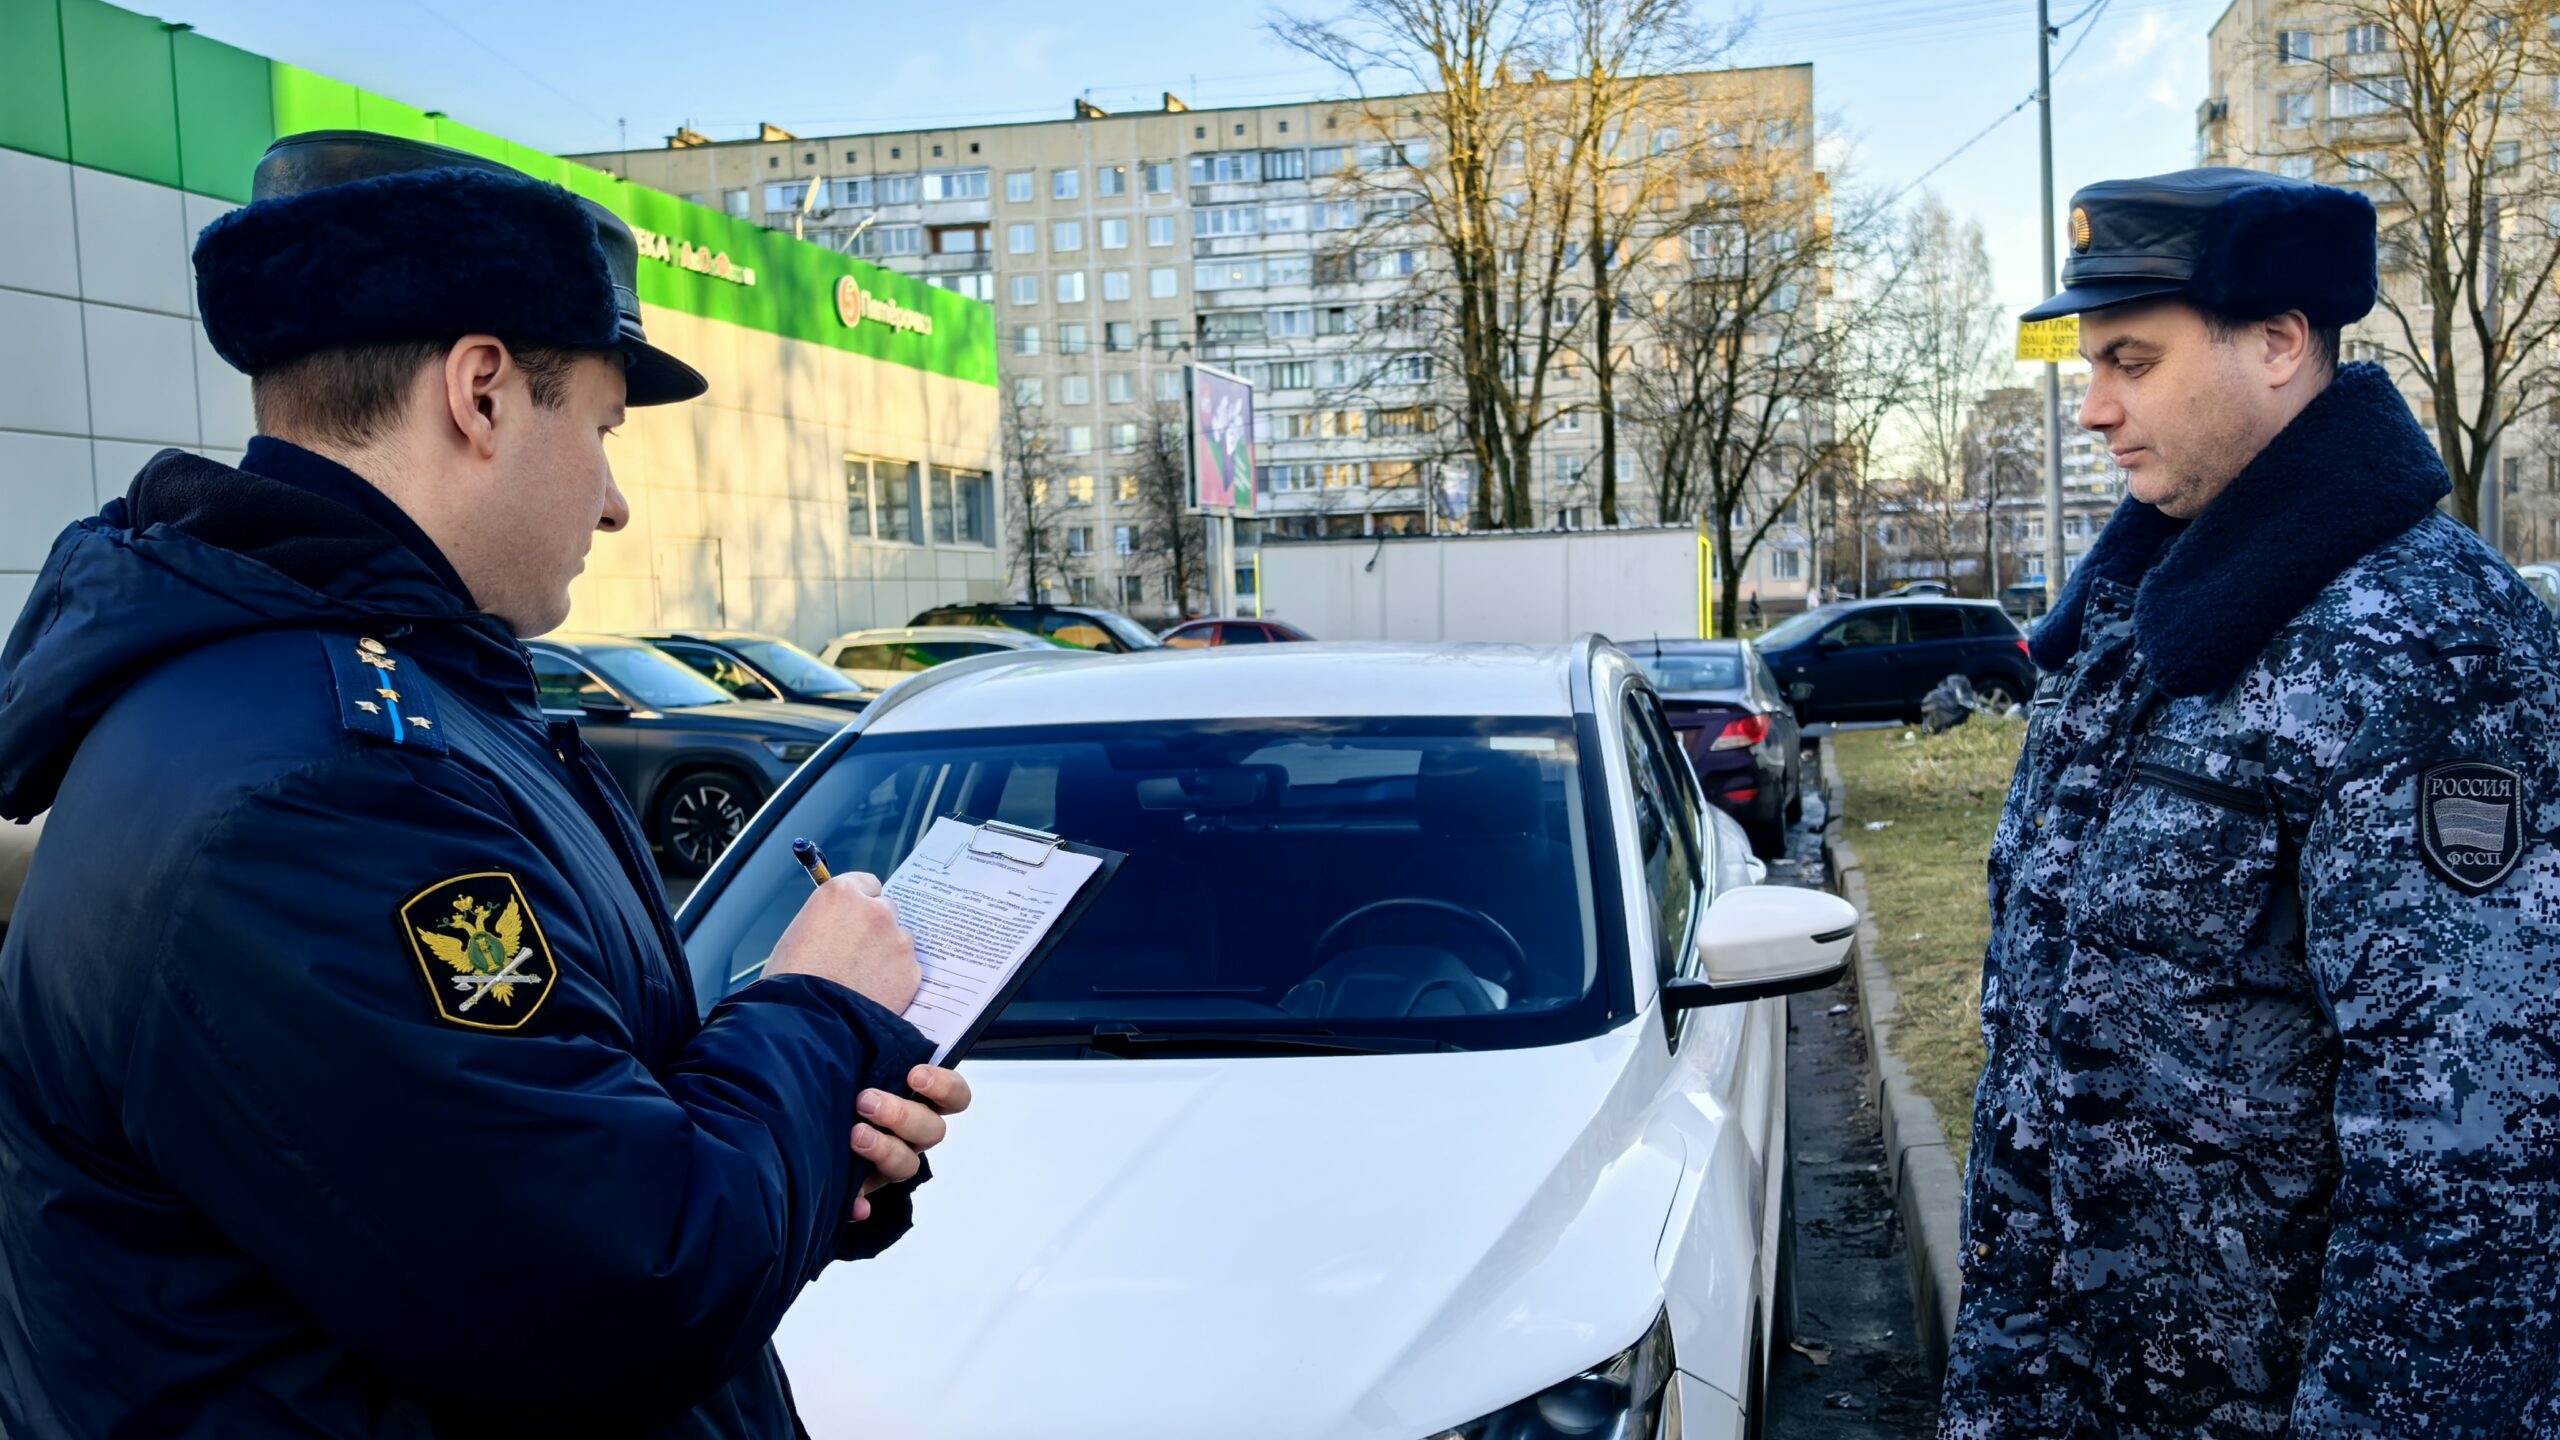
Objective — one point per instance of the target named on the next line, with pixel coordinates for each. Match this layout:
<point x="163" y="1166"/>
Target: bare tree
<point x="1170" y="531"/>
<point x="2438" y="110"/>
<point x="1766" y="362"/>
<point x="1473" y="162"/>
<point x="1949" y="324"/>
<point x="1035" y="524"/>
<point x="2002" y="455"/>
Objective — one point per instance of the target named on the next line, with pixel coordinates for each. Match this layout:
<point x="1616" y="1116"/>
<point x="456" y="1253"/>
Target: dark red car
<point x="1198" y="634"/>
<point x="1725" y="706"/>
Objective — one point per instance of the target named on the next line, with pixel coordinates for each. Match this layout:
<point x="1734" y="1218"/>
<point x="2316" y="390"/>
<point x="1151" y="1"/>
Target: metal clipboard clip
<point x="1018" y="843"/>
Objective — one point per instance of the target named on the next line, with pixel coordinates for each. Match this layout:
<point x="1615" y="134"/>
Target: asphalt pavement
<point x="1855" y="1371"/>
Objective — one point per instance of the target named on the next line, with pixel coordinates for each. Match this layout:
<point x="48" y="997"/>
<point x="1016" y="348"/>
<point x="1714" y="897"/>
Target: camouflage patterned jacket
<point x="2268" y="1141"/>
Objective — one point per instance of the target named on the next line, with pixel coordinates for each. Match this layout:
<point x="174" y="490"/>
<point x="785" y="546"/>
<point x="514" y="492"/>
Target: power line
<point x="2095" y="11"/>
<point x="494" y="53"/>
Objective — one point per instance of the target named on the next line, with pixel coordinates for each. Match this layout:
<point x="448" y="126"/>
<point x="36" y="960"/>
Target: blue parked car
<point x="1874" y="659"/>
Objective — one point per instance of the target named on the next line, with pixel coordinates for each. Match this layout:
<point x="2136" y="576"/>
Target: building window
<point x="1124" y="436"/>
<point x="1017" y="186"/>
<point x="1115" y="284"/>
<point x="1233" y="168"/>
<point x="1026" y="389"/>
<point x="1394" y="474"/>
<point x="1284" y="164"/>
<point x="901" y="500"/>
<point x="1124" y="539"/>
<point x="2293" y="47"/>
<point x="897" y="189"/>
<point x="1163" y="283"/>
<point x="1124" y="491"/>
<point x="1066" y="236"/>
<point x="1111" y="180"/>
<point x="2367" y="39"/>
<point x="1080" y="492"/>
<point x="964" y="507"/>
<point x="1338" y="320"/>
<point x="1075" y="389"/>
<point x="857" y="498"/>
<point x="1065" y="184"/>
<point x="1285" y="324"/>
<point x="2374" y="96"/>
<point x="1026" y="340"/>
<point x="1079" y="439"/>
<point x="1168" y="385"/>
<point x="735" y="202"/>
<point x="1346" y="475"/>
<point x="1120" y="387"/>
<point x="1133" y="590"/>
<point x="1342" y="424"/>
<point x="1026" y="291"/>
<point x="1164" y="334"/>
<point x="1071" y="339"/>
<point x="1159" y="177"/>
<point x="956" y="185"/>
<point x="2504" y="156"/>
<point x="1021" y="239"/>
<point x="1215" y="220"/>
<point x="1071" y="287"/>
<point x="1079" y="537"/>
<point x="959" y="239"/>
<point x="1119" y="337"/>
<point x="1569" y="423"/>
<point x="2293" y="109"/>
<point x="1160" y="230"/>
<point x="1114" y="234"/>
<point x="1569" y="468"/>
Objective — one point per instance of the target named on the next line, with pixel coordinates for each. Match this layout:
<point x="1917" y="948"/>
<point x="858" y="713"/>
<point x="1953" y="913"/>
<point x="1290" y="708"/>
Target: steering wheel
<point x="1326" y="943"/>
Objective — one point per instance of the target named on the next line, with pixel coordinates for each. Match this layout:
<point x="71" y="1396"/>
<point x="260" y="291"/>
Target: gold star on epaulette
<point x="422" y="724"/>
<point x="391" y="695"/>
<point x="380" y="662"/>
<point x="368" y="707"/>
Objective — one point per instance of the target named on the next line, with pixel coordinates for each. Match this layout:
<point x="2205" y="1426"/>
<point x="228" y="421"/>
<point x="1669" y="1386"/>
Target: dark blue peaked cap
<point x="353" y="238"/>
<point x="2235" y="243"/>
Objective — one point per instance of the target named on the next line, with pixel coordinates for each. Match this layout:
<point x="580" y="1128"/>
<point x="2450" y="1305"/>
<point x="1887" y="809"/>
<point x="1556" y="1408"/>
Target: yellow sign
<point x="2052" y="341"/>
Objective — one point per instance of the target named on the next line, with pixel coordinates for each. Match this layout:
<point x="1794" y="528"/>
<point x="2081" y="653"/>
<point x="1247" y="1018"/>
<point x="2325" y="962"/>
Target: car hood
<point x="762" y="717"/>
<point x="1363" y="1246"/>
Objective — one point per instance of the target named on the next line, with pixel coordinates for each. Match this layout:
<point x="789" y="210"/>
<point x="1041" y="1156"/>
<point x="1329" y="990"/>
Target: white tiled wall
<point x="101" y="360"/>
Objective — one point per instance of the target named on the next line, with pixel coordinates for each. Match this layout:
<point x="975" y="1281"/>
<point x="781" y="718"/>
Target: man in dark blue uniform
<point x="2268" y="1138"/>
<point x="352" y="1082"/>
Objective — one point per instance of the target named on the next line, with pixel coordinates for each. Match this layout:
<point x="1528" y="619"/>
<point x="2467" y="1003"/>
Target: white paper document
<point x="978" y="903"/>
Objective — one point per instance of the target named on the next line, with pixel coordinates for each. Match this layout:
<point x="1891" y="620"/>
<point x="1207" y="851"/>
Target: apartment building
<point x="2312" y="91"/>
<point x="1118" y="248"/>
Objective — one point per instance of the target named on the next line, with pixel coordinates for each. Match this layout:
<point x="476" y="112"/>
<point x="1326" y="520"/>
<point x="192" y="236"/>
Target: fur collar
<point x="2352" y="471"/>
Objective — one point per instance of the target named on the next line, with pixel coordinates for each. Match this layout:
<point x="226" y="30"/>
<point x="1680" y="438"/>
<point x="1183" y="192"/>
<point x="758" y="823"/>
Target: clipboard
<point x="1022" y="845"/>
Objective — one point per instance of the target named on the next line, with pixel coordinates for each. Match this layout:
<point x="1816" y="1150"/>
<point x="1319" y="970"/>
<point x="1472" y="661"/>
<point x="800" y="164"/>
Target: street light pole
<point x="2052" y="371"/>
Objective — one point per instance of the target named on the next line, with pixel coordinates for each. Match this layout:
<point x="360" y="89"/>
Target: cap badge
<point x="2079" y="231"/>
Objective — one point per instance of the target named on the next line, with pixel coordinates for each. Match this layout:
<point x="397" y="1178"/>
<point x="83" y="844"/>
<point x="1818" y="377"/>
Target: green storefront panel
<point x="304" y="101"/>
<point x="31" y="110"/>
<point x="120" y="93"/>
<point x="226" y="115"/>
<point x="390" y="117"/>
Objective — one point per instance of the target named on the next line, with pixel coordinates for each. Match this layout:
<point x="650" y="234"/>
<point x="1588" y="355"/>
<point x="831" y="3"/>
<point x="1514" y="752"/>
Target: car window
<point x="796" y="667"/>
<point x="1078" y="633"/>
<point x="1934" y="622"/>
<point x="869" y="657"/>
<point x="1865" y="630"/>
<point x="721" y="670"/>
<point x="1676" y="673"/>
<point x="1769" y="691"/>
<point x="1243" y="635"/>
<point x="925" y="654"/>
<point x="1994" y="624"/>
<point x="1794" y="629"/>
<point x="1666" y="831"/>
<point x="1425" y="876"/>
<point x="655" y="679"/>
<point x="563" y="685"/>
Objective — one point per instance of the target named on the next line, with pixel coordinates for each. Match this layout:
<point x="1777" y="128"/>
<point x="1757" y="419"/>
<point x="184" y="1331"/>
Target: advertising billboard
<point x="1221" y="442"/>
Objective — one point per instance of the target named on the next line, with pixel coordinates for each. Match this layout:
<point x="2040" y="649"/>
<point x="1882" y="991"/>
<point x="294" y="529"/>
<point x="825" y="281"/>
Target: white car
<point x="878" y="659"/>
<point x="1458" y="1107"/>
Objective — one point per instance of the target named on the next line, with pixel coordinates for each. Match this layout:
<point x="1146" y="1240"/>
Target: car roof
<point x="589" y="640"/>
<point x="707" y="637"/>
<point x="1316" y="680"/>
<point x="992" y="634"/>
<point x="1880" y="600"/>
<point x="1679" y="645"/>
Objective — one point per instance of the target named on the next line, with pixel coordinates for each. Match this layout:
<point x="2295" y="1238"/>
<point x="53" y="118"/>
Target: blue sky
<point x="1902" y="82"/>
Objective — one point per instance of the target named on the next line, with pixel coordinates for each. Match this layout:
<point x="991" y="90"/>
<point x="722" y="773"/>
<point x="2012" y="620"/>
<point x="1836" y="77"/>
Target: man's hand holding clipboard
<point x="970" y="915"/>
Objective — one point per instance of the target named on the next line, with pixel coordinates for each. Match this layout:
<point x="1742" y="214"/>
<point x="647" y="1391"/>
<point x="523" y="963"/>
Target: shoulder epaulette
<point x="380" y="696"/>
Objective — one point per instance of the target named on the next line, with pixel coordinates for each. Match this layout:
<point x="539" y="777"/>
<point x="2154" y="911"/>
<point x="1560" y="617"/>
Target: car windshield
<point x="653" y="677"/>
<point x="1677" y="672"/>
<point x="792" y="665"/>
<point x="1795" y="628"/>
<point x="1418" y="878"/>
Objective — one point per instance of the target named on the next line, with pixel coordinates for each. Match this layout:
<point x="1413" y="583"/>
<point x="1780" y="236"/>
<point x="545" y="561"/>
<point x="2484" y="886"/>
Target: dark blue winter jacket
<point x="351" y="1079"/>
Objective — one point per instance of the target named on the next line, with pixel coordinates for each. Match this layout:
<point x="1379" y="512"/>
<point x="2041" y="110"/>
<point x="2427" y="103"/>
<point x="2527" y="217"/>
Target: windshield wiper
<point x="1129" y="1042"/>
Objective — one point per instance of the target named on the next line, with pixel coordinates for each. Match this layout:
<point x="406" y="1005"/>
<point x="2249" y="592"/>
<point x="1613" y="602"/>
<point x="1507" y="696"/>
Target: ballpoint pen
<point x="811" y="861"/>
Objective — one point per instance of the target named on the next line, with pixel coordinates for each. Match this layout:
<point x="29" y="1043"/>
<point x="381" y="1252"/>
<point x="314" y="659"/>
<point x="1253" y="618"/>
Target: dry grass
<point x="1942" y="796"/>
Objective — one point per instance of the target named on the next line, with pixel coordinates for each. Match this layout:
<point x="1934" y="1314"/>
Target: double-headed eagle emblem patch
<point x="482" y="952"/>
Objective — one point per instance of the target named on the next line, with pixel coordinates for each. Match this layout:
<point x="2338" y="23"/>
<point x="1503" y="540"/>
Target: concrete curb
<point x="1927" y="1191"/>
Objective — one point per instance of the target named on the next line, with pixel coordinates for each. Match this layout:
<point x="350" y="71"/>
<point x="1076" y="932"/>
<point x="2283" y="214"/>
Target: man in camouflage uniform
<point x="2268" y="1140"/>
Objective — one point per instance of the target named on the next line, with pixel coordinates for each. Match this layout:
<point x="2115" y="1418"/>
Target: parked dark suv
<point x="1874" y="659"/>
<point x="1077" y="627"/>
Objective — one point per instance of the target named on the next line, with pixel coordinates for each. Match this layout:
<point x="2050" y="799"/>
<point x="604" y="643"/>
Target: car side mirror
<point x="1828" y="646"/>
<point x="603" y="707"/>
<point x="1763" y="940"/>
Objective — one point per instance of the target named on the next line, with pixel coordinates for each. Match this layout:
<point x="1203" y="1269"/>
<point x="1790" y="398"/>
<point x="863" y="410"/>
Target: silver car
<point x="878" y="659"/>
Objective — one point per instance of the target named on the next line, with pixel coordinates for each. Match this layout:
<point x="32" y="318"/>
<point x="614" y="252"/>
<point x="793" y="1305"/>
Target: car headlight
<point x="1627" y="1397"/>
<point x="792" y="752"/>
